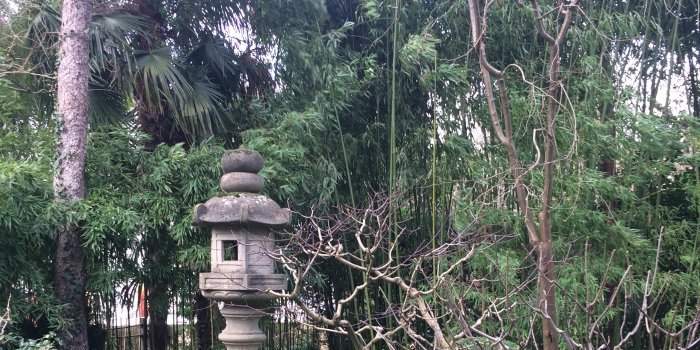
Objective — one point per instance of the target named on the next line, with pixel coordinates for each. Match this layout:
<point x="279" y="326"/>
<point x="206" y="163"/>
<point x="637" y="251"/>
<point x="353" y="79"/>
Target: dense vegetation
<point x="360" y="104"/>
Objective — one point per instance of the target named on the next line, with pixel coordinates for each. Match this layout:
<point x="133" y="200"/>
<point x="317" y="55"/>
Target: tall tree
<point x="69" y="181"/>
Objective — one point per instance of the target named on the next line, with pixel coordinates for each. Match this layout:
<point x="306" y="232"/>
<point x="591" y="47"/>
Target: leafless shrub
<point x="433" y="312"/>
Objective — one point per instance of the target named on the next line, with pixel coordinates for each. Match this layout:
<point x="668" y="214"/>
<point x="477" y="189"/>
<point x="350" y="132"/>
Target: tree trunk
<point x="158" y="279"/>
<point x="545" y="262"/>
<point x="547" y="294"/>
<point x="69" y="182"/>
<point x="694" y="87"/>
<point x="159" y="303"/>
<point x="201" y="306"/>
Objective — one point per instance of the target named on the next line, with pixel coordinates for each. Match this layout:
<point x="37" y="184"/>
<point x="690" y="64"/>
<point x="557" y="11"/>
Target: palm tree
<point x="171" y="65"/>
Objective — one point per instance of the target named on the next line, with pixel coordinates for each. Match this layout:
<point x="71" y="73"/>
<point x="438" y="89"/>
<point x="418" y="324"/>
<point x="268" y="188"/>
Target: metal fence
<point x="286" y="329"/>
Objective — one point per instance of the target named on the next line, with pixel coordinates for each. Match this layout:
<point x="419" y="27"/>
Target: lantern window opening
<point x="230" y="250"/>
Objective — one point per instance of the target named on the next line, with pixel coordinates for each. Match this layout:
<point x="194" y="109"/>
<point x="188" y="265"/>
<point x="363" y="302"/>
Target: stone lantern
<point x="242" y="223"/>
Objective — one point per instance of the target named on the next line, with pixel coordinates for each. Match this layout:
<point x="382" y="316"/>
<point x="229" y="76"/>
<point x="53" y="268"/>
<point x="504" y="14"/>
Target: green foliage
<point x="293" y="165"/>
<point x="26" y="239"/>
<point x="602" y="222"/>
<point x="132" y="191"/>
<point x="11" y="341"/>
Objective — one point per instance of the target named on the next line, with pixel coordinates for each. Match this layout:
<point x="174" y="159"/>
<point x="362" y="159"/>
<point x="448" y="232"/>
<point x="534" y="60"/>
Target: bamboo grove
<point x="464" y="174"/>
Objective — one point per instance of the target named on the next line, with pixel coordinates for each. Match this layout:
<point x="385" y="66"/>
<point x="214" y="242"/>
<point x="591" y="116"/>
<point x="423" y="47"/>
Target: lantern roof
<point x="244" y="208"/>
<point x="242" y="203"/>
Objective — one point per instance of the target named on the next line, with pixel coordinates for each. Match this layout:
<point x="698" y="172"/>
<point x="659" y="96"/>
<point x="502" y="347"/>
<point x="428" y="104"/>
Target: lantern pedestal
<point x="242" y="331"/>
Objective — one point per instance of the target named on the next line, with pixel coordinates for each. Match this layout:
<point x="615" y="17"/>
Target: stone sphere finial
<point x="241" y="167"/>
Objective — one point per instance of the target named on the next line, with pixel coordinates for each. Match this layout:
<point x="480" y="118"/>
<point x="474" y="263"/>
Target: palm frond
<point x="214" y="53"/>
<point x="107" y="105"/>
<point x="215" y="16"/>
<point x="201" y="111"/>
<point x="38" y="25"/>
<point x="44" y="19"/>
<point x="162" y="79"/>
<point x="111" y="39"/>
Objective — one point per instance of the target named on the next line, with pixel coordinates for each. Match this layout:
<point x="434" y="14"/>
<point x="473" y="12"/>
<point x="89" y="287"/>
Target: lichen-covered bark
<point x="68" y="181"/>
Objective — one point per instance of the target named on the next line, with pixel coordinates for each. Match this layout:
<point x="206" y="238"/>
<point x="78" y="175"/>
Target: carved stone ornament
<point x="242" y="272"/>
